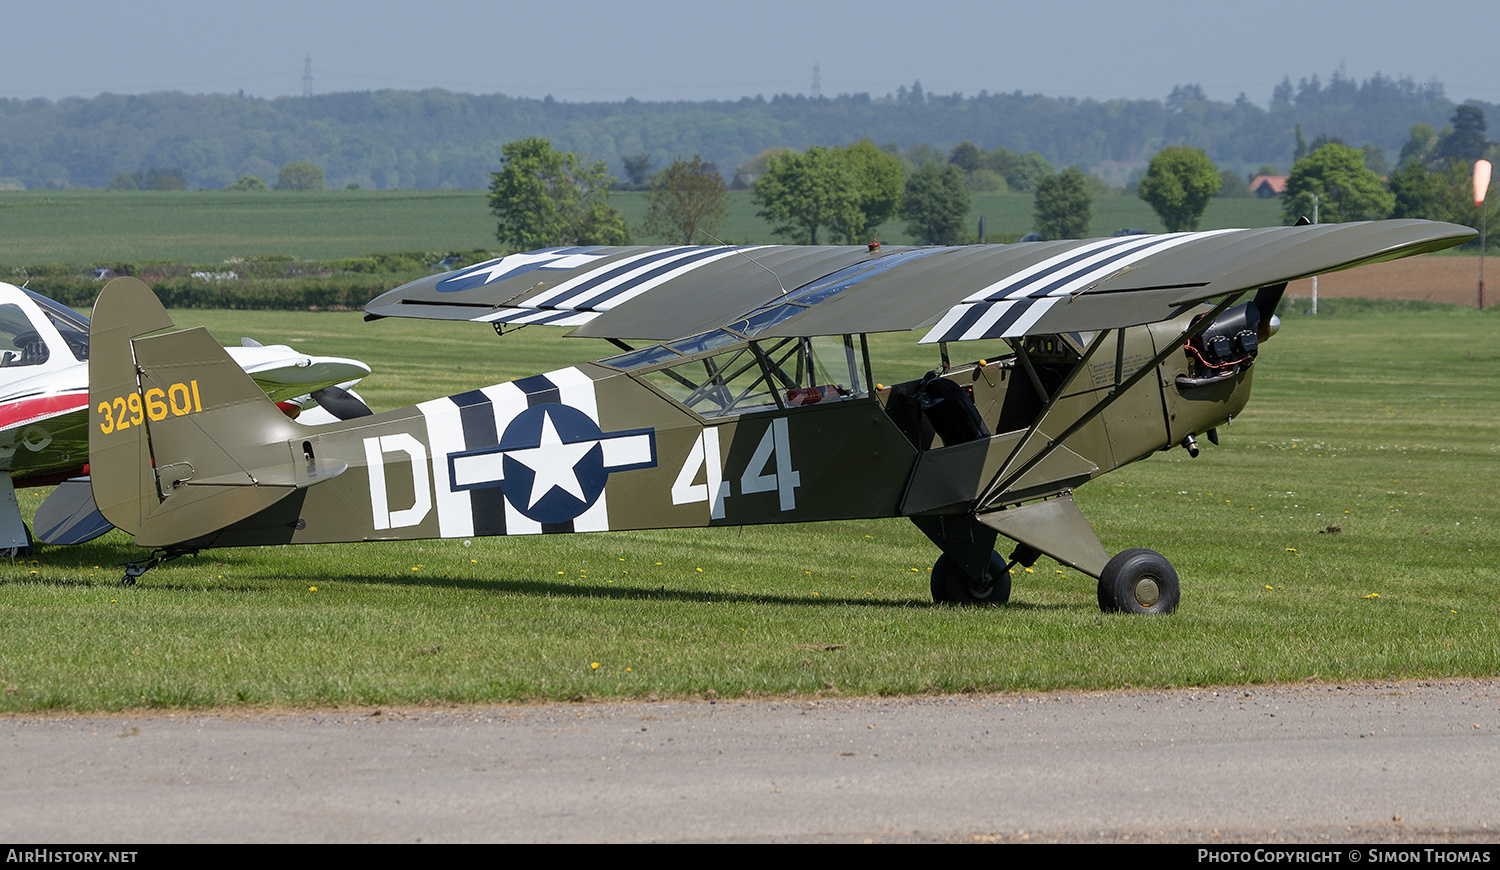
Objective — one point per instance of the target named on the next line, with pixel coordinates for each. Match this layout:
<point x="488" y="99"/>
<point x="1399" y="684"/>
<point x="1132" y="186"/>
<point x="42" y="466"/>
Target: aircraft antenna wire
<point x="748" y="257"/>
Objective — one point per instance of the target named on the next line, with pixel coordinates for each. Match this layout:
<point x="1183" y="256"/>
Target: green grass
<point x="210" y="226"/>
<point x="1386" y="425"/>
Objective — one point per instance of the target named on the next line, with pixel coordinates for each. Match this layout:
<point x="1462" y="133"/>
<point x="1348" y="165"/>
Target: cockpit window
<point x="752" y="376"/>
<point x="72" y="326"/>
<point x="20" y="345"/>
<point x="717" y="386"/>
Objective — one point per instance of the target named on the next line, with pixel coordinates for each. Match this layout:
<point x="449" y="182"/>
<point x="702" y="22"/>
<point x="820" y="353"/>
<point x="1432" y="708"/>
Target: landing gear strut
<point x="1138" y="581"/>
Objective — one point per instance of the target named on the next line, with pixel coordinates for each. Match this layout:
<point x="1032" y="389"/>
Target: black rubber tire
<point x="950" y="585"/>
<point x="1139" y="581"/>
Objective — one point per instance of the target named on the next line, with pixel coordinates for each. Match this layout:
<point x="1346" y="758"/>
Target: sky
<point x="585" y="50"/>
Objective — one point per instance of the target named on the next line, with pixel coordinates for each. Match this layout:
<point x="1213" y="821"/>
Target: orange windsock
<point x="1481" y="180"/>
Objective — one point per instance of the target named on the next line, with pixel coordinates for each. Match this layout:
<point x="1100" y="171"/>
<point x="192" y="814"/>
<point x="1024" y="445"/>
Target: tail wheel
<point x="1139" y="581"/>
<point x="951" y="585"/>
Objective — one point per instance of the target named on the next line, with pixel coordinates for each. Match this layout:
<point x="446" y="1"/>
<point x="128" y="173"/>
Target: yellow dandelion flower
<point x="312" y="589"/>
<point x="593" y="666"/>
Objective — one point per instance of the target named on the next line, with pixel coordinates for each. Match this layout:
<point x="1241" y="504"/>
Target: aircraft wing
<point x="963" y="293"/>
<point x="284" y="373"/>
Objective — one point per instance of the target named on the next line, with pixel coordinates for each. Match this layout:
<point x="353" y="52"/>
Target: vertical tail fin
<point x="120" y="458"/>
<point x="181" y="441"/>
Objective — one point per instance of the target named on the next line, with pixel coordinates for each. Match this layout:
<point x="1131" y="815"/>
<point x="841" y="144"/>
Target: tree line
<point x="843" y="194"/>
<point x="439" y="139"/>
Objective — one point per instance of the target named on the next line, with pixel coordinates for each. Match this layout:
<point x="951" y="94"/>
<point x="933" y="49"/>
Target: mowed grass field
<point x="1344" y="530"/>
<point x="210" y="226"/>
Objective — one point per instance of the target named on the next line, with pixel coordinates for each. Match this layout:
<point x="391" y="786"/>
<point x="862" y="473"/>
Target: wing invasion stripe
<point x="643" y="280"/>
<point x="616" y="269"/>
<point x="1025" y="318"/>
<point x="1046" y="282"/>
<point x="1096" y="260"/>
<point x="1041" y="270"/>
<point x="578" y="301"/>
<point x="998" y="316"/>
<point x="966" y="319"/>
<point x="1096" y="268"/>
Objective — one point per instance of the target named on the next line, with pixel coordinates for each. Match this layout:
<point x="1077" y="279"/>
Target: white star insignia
<point x="497" y="269"/>
<point x="553" y="461"/>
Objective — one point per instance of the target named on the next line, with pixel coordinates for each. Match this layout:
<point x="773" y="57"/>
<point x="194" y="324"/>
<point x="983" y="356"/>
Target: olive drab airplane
<point x="743" y="393"/>
<point x="44" y="351"/>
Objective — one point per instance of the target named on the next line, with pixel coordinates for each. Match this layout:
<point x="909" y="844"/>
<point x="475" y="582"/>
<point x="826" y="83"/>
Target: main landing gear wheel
<point x="950" y="585"/>
<point x="1138" y="581"/>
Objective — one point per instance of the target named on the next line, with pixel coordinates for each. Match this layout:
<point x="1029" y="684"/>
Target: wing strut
<point x="1005" y="478"/>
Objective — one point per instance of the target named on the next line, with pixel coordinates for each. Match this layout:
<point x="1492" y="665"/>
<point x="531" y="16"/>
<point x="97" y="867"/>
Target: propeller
<point x="341" y="403"/>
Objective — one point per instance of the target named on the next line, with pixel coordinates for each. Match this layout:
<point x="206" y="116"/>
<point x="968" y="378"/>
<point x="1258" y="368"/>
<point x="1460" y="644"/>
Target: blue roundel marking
<point x="567" y="470"/>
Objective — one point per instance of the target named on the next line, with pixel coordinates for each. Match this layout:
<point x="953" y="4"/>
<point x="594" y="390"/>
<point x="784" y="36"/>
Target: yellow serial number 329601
<point x="178" y="400"/>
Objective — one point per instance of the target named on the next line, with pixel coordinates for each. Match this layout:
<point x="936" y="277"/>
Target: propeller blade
<point x="341" y="403"/>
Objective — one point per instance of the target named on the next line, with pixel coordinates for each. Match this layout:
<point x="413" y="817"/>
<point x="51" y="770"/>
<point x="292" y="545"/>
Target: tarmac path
<point x="1393" y="762"/>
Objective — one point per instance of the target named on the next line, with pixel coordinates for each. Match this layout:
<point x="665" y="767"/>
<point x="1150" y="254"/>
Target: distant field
<point x="210" y="226"/>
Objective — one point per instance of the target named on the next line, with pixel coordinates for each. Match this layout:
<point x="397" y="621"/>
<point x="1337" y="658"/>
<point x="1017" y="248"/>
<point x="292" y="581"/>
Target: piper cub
<point x="743" y="393"/>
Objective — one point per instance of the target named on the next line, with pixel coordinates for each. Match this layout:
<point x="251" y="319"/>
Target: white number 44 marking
<point x="705" y="455"/>
<point x="784" y="480"/>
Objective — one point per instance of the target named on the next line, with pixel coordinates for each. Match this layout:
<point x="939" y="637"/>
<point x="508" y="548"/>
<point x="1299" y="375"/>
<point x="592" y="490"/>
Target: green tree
<point x="301" y="175"/>
<point x="1466" y="141"/>
<point x="802" y="191"/>
<point x="1178" y="185"/>
<point x="1021" y="171"/>
<point x="966" y="156"/>
<point x="155" y="178"/>
<point x="684" y="198"/>
<point x="546" y="198"/>
<point x="1345" y="188"/>
<point x="638" y="168"/>
<point x="1064" y="207"/>
<point x="1443" y="195"/>
<point x="1232" y="185"/>
<point x="1419" y="145"/>
<point x="247" y="182"/>
<point x="936" y="204"/>
<point x="880" y="180"/>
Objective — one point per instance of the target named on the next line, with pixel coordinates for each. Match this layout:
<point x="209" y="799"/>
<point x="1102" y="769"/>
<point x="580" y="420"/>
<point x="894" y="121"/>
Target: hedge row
<point x="349" y="292"/>
<point x="266" y="283"/>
